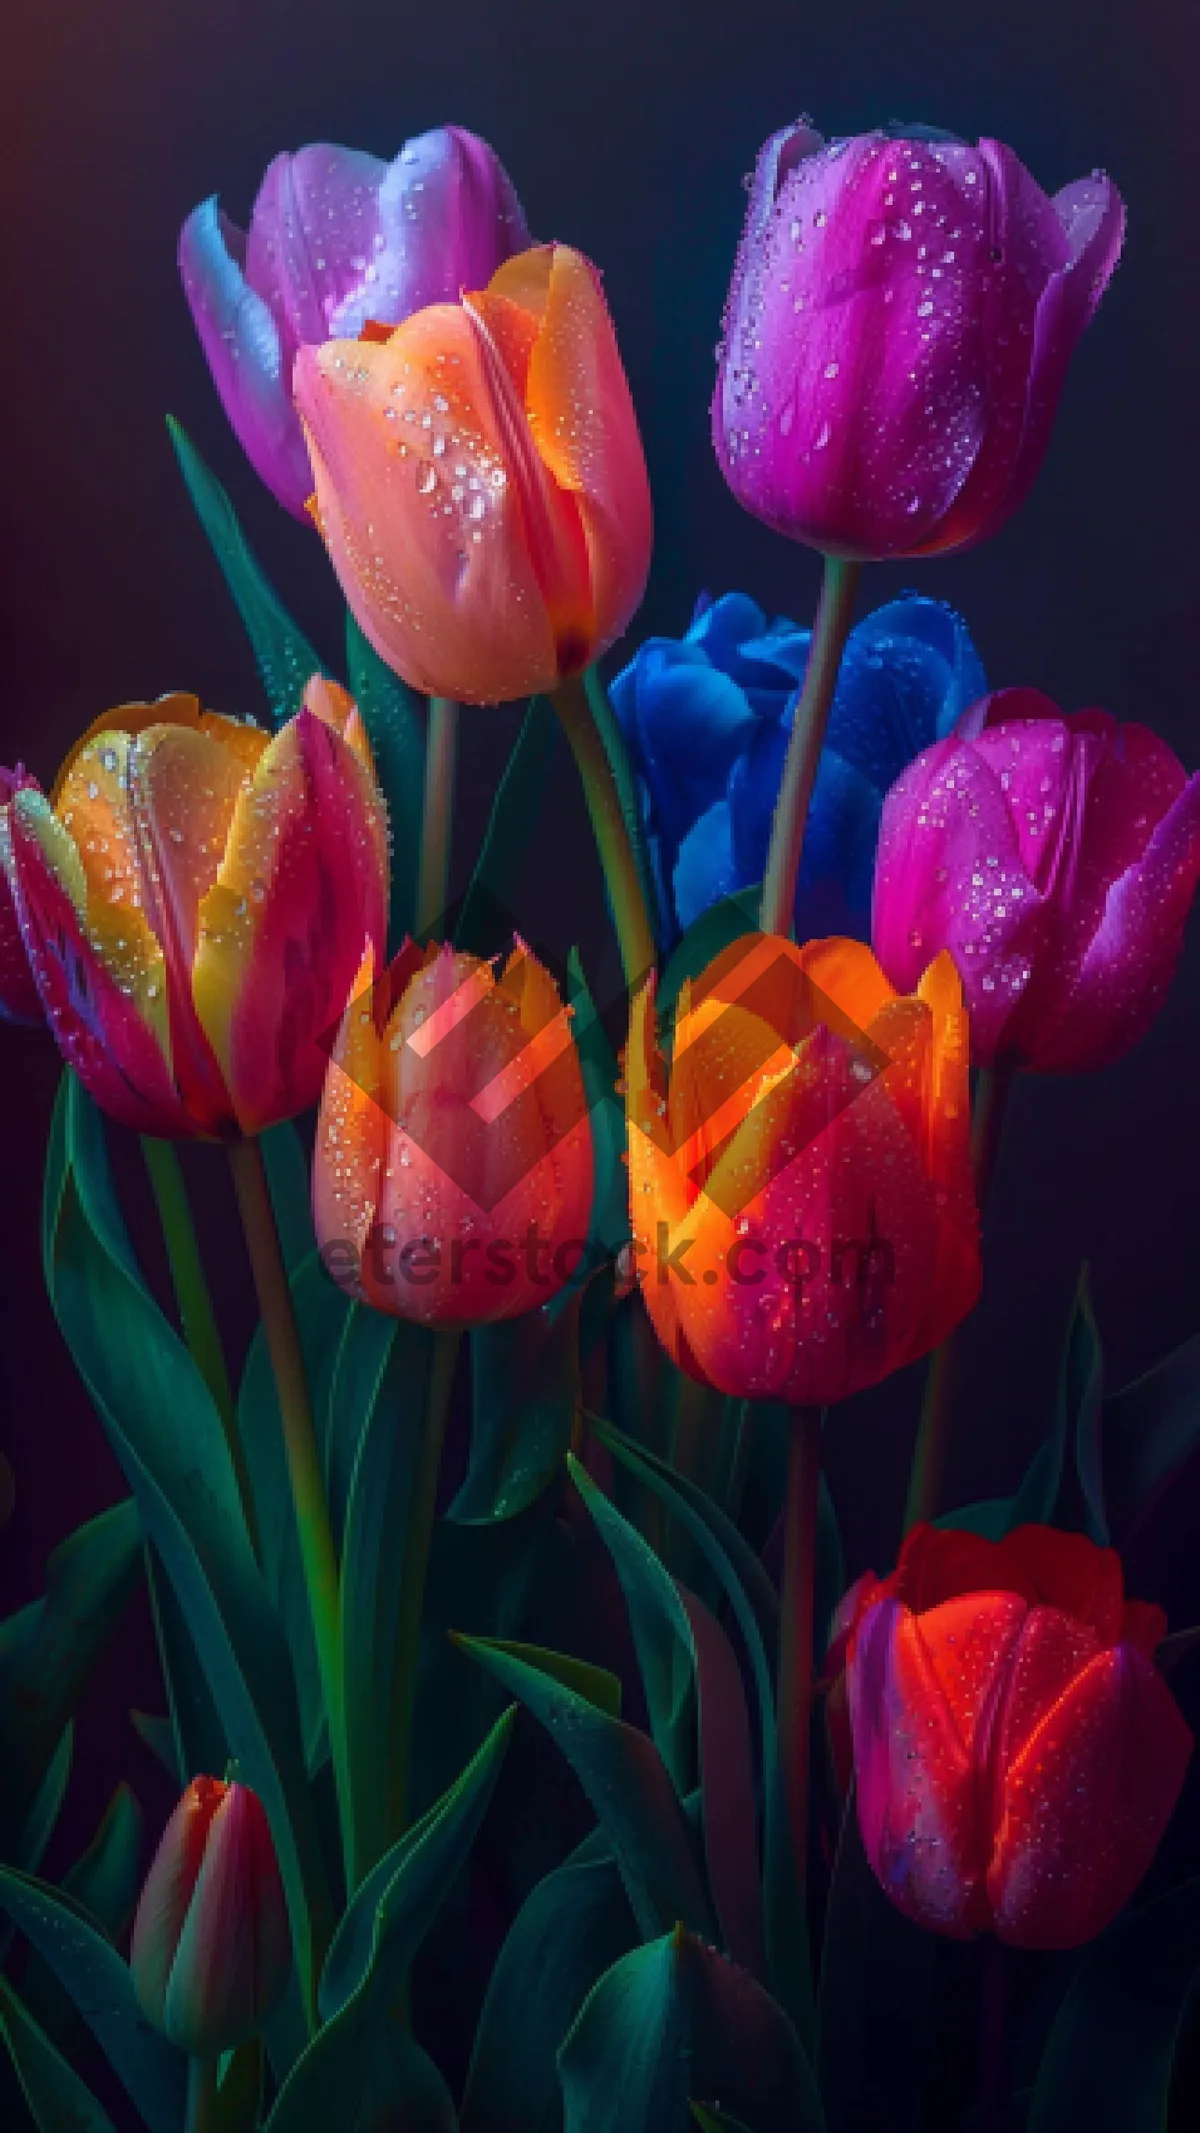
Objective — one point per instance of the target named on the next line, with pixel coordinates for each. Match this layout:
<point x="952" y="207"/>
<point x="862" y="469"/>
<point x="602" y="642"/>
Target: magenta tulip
<point x="336" y="238"/>
<point x="20" y="1000"/>
<point x="901" y="318"/>
<point x="211" y="1953"/>
<point x="1056" y="858"/>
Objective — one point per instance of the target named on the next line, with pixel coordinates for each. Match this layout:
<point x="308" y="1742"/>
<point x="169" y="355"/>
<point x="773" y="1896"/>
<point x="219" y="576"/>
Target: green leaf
<point x="1108" y="2061"/>
<point x="392" y="1428"/>
<point x="1062" y="1486"/>
<point x="286" y="660"/>
<point x="57" y="2098"/>
<point x="875" y="2007"/>
<point x="395" y="1906"/>
<point x="482" y="919"/>
<point x="673" y="2021"/>
<point x="39" y="1825"/>
<point x="1151" y="1430"/>
<point x="287" y="1169"/>
<point x="574" y="1924"/>
<point x="751" y="1599"/>
<point x="613" y="742"/>
<point x="362" y="2073"/>
<point x="658" y="1621"/>
<point x="168" y="1439"/>
<point x="90" y="1970"/>
<point x="608" y="1224"/>
<point x="706" y="937"/>
<point x="712" y="2121"/>
<point x="47" y="1659"/>
<point x="198" y="1737"/>
<point x="396" y="731"/>
<point x="622" y="1774"/>
<point x="159" y="1737"/>
<point x="524" y="1393"/>
<point x="106" y="1879"/>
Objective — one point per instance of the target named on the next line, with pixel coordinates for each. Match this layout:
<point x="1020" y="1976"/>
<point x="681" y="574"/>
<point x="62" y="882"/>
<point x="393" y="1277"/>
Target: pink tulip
<point x="1056" y="858"/>
<point x="901" y="318"/>
<point x="336" y="238"/>
<point x="20" y="1000"/>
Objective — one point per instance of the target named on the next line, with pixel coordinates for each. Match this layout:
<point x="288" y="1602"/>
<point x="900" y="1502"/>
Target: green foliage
<point x="396" y="731"/>
<point x="518" y="802"/>
<point x="59" y="2102"/>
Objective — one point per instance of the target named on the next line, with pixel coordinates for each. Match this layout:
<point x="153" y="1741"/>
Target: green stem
<point x="609" y="827"/>
<point x="202" y="2113"/>
<point x="796" y="1623"/>
<point x="196" y="1315"/>
<point x="441" y="749"/>
<point x="317" y="1553"/>
<point x="830" y="631"/>
<point x="418" y="1539"/>
<point x="992" y="1089"/>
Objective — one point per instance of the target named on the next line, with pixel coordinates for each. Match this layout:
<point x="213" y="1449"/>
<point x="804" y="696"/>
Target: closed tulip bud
<point x="800" y="1185"/>
<point x="902" y="316"/>
<point x="480" y="483"/>
<point x="195" y="898"/>
<point x="1017" y="1753"/>
<point x="211" y="1953"/>
<point x="452" y="1181"/>
<point x="1056" y="858"/>
<point x="336" y="237"/>
<point x="20" y="1000"/>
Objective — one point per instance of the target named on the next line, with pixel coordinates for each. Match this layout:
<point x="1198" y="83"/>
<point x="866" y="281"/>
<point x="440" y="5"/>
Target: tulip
<point x="480" y="483"/>
<point x="336" y="238"/>
<point x="800" y="1189"/>
<point x="1056" y="858"/>
<point x="1017" y="1753"/>
<point x="20" y="1000"/>
<point x="452" y="1181"/>
<point x="195" y="897"/>
<point x="706" y="720"/>
<point x="211" y="1953"/>
<point x="898" y="330"/>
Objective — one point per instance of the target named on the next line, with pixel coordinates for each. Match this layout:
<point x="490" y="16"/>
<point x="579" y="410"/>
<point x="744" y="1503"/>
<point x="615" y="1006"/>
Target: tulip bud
<point x="194" y="898"/>
<point x="1017" y="1753"/>
<point x="1056" y="858"/>
<point x="452" y="1178"/>
<point x="902" y="315"/>
<point x="800" y="1185"/>
<point x="211" y="1952"/>
<point x="336" y="237"/>
<point x="480" y="483"/>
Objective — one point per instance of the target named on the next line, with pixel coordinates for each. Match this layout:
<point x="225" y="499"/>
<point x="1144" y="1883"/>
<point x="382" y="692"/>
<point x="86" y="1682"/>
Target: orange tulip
<point x="480" y="483"/>
<point x="195" y="897"/>
<point x="802" y="1206"/>
<point x="452" y="1181"/>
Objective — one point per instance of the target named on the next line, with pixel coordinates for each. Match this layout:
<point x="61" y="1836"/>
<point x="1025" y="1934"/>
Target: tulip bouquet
<point x="538" y="1762"/>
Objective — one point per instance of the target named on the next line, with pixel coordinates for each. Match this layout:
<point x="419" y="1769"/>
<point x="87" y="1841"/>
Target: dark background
<point x="627" y="127"/>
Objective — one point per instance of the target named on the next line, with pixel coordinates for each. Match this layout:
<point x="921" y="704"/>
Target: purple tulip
<point x="901" y="318"/>
<point x="336" y="238"/>
<point x="1056" y="858"/>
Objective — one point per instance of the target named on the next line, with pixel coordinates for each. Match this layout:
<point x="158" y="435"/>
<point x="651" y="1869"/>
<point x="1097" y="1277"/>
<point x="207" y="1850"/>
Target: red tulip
<point x="452" y="1180"/>
<point x="480" y="483"/>
<point x="1056" y="858"/>
<point x="1017" y="1752"/>
<point x="211" y="1952"/>
<point x="20" y="1000"/>
<point x="195" y="898"/>
<point x="902" y="315"/>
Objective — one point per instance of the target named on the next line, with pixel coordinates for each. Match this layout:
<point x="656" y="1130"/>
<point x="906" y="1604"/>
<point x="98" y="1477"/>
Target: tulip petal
<point x="1070" y="1573"/>
<point x="432" y="561"/>
<point x="167" y="1892"/>
<point x="1086" y="1798"/>
<point x="100" y="1015"/>
<point x="352" y="1132"/>
<point x="312" y="233"/>
<point x="704" y="871"/>
<point x="242" y="347"/>
<point x="915" y="1788"/>
<point x="233" y="1954"/>
<point x="300" y="892"/>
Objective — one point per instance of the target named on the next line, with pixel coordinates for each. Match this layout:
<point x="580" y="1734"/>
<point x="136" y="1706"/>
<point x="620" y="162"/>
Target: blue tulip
<point x="706" y="719"/>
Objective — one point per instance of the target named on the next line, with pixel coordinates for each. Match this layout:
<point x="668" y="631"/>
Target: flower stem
<point x="796" y="1623"/>
<point x="417" y="1542"/>
<point x="202" y="2116"/>
<point x="317" y="1552"/>
<point x="811" y="716"/>
<point x="992" y="1089"/>
<point x="578" y="716"/>
<point x="441" y="749"/>
<point x="196" y="1315"/>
